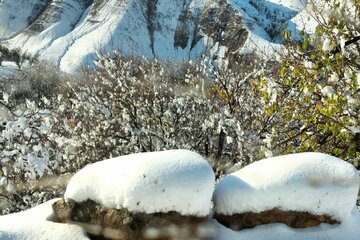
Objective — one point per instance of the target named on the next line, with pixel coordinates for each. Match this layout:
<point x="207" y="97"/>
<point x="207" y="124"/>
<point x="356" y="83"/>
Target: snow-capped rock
<point x="306" y="182"/>
<point x="174" y="180"/>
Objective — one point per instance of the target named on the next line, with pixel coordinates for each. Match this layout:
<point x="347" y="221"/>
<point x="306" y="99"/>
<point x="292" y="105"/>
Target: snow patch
<point x="33" y="224"/>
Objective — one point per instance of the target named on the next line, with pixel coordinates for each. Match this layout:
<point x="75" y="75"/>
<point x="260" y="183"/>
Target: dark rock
<point x="224" y="25"/>
<point x="104" y="223"/>
<point x="293" y="219"/>
<point x="182" y="32"/>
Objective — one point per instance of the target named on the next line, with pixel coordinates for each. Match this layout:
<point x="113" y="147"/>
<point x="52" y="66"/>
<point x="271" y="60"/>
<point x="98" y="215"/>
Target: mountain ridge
<point x="72" y="33"/>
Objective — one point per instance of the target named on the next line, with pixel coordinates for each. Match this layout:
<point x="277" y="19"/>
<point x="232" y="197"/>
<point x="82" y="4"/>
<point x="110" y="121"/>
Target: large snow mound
<point x="174" y="180"/>
<point x="313" y="182"/>
<point x="33" y="224"/>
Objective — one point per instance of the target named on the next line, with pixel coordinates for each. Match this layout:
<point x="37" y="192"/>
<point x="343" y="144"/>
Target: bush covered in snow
<point x="51" y="125"/>
<point x="137" y="105"/>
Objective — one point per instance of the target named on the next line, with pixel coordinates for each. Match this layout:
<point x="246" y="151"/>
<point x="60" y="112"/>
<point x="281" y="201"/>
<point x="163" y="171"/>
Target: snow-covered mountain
<point x="73" y="32"/>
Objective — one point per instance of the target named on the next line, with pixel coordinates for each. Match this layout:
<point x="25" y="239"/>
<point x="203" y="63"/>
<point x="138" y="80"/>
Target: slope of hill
<point x="73" y="32"/>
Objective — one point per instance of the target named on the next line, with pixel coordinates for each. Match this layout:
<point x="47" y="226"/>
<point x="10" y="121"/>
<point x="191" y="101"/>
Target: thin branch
<point x="347" y="43"/>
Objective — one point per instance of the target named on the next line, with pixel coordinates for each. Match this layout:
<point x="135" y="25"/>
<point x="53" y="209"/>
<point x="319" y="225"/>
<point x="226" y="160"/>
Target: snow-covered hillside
<point x="72" y="32"/>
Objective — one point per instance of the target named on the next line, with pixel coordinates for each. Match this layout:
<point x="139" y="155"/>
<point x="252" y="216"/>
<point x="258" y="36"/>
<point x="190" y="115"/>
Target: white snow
<point x="334" y="78"/>
<point x="328" y="45"/>
<point x="311" y="182"/>
<point x="33" y="224"/>
<point x="328" y="91"/>
<point x="264" y="21"/>
<point x="6" y="71"/>
<point x="174" y="180"/>
<point x="8" y="68"/>
<point x="15" y="15"/>
<point x="57" y="23"/>
<point x="9" y="64"/>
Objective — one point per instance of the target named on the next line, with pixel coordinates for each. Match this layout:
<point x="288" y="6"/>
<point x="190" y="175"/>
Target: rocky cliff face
<point x="73" y="32"/>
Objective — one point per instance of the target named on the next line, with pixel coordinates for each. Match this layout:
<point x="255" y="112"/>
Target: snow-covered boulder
<point x="124" y="197"/>
<point x="174" y="180"/>
<point x="313" y="183"/>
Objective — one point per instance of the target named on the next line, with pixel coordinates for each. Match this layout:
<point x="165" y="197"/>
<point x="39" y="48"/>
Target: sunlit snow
<point x="34" y="224"/>
<point x="313" y="182"/>
<point x="174" y="180"/>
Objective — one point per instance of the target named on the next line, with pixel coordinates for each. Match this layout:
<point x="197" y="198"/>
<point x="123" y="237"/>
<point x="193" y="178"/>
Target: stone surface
<point x="293" y="219"/>
<point x="103" y="223"/>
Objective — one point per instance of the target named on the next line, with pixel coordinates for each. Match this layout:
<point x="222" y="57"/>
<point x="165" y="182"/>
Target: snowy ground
<point x="34" y="224"/>
<point x="5" y="71"/>
<point x="183" y="172"/>
<point x="8" y="68"/>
